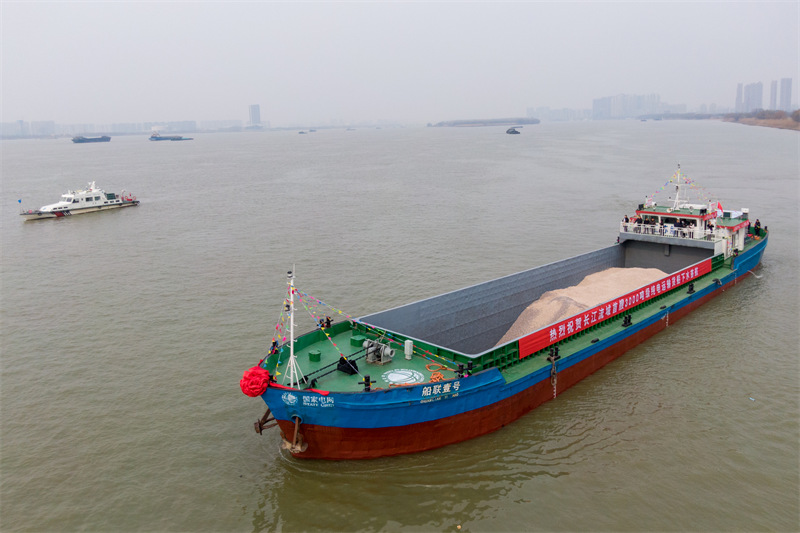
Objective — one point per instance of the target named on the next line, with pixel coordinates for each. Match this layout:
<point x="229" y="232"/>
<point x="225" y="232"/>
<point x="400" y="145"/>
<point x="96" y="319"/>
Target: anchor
<point x="261" y="425"/>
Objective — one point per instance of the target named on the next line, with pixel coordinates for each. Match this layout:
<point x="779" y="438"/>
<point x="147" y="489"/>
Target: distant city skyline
<point x="618" y="106"/>
<point x="748" y="98"/>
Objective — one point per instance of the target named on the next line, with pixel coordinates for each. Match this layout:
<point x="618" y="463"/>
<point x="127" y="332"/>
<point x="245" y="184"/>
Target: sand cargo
<point x="465" y="363"/>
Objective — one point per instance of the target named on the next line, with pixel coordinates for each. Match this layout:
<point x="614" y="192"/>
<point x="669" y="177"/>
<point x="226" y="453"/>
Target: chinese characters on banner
<point x="576" y="323"/>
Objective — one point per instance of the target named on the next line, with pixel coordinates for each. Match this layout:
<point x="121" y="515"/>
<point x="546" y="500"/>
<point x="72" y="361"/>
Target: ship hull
<point x="83" y="140"/>
<point x="357" y="426"/>
<point x="42" y="215"/>
<point x="170" y="138"/>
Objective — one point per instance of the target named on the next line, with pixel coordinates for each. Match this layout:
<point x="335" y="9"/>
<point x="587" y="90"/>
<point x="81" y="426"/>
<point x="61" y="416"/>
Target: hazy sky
<point x="311" y="62"/>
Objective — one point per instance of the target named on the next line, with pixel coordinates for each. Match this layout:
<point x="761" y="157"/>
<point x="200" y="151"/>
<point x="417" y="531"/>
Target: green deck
<point x="348" y="339"/>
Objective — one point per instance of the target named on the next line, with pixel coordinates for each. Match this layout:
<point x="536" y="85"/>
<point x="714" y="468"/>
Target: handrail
<point x="667" y="230"/>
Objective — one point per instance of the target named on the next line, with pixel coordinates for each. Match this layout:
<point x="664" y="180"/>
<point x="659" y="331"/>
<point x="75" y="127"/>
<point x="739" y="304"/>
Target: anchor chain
<point x="297" y="444"/>
<point x="553" y="357"/>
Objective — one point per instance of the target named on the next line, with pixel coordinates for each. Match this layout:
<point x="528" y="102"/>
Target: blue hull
<point x="468" y="406"/>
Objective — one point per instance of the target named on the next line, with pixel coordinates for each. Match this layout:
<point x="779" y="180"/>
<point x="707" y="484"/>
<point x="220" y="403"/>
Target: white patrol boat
<point x="82" y="201"/>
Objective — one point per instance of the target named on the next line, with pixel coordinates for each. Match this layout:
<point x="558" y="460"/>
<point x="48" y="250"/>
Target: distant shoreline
<point x="780" y="123"/>
<point x="518" y="121"/>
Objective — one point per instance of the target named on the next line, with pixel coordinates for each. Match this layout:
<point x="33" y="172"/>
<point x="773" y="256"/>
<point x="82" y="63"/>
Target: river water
<point x="125" y="333"/>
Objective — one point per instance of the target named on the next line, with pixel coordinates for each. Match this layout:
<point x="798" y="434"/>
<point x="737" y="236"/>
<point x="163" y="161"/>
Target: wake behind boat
<point x="465" y="363"/>
<point x="86" y="200"/>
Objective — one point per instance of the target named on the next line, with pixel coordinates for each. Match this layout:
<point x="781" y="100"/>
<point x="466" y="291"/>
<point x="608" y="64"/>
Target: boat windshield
<point x="67" y="198"/>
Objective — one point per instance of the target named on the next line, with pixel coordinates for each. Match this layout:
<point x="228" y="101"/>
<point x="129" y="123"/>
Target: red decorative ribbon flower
<point x="255" y="381"/>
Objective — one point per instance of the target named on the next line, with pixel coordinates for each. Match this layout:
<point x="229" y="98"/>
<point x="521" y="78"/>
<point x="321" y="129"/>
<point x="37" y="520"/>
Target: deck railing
<point x="668" y="230"/>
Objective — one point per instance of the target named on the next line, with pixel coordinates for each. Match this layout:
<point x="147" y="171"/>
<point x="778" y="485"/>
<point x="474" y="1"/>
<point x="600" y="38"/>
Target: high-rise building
<point x="739" y="107"/>
<point x="255" y="115"/>
<point x="24" y="128"/>
<point x="753" y="97"/>
<point x="786" y="95"/>
<point x="773" y="95"/>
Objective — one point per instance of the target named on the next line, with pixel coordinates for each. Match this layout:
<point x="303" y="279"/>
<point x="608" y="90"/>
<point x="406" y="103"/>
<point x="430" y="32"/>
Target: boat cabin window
<point x="75" y="201"/>
<point x="96" y="198"/>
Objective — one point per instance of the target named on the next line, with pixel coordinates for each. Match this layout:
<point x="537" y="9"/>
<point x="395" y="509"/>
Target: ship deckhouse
<point x="679" y="222"/>
<point x="85" y="198"/>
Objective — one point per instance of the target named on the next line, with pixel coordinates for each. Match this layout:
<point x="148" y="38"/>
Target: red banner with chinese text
<point x="561" y="330"/>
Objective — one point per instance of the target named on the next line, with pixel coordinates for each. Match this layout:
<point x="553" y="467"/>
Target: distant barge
<point x="157" y="137"/>
<point x="79" y="139"/>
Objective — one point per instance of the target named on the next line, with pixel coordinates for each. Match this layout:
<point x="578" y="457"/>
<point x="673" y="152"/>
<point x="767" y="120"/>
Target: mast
<point x="290" y="276"/>
<point x="293" y="369"/>
<point x="677" y="203"/>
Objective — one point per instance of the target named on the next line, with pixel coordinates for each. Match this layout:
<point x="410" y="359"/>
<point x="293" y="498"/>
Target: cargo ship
<point x="465" y="363"/>
<point x="158" y="137"/>
<point x="87" y="200"/>
<point x="79" y="139"/>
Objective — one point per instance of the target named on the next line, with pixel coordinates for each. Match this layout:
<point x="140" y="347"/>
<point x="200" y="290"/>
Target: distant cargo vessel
<point x="340" y="392"/>
<point x="157" y="137"/>
<point x="81" y="201"/>
<point x="81" y="139"/>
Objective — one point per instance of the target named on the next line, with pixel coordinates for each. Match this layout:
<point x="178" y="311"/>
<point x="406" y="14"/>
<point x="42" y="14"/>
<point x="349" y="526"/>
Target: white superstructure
<point x="82" y="201"/>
